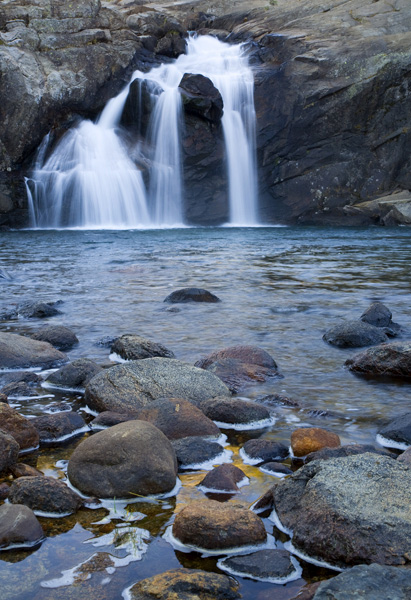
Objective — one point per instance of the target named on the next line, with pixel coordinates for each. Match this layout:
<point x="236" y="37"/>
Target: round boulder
<point x="128" y="387"/>
<point x="378" y="314"/>
<point x="191" y="295"/>
<point x="310" y="439"/>
<point x="19" y="527"/>
<point x="44" y="495"/>
<point x="135" y="347"/>
<point x="223" y="478"/>
<point x="76" y="374"/>
<point x="354" y="334"/>
<point x="129" y="459"/>
<point x="255" y="452"/>
<point x="193" y="452"/>
<point x="210" y="525"/>
<point x="17" y="351"/>
<point x="58" y="336"/>
<point x="19" y="427"/>
<point x="348" y="511"/>
<point x="385" y="360"/>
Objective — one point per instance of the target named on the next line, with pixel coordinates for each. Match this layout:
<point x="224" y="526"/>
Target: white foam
<point x="89" y="411"/>
<point x="22" y="545"/>
<point x="249" y="460"/>
<point x="63" y="388"/>
<point x="110" y="501"/>
<point x="19" y="398"/>
<point x="67" y="436"/>
<point x="273" y="473"/>
<point x="27" y="450"/>
<point x="262" y="424"/>
<point x="51" y="515"/>
<point x="114" y="357"/>
<point x="177" y="545"/>
<point x="224" y="457"/>
<point x="296" y="574"/>
<point x="276" y="520"/>
<point x="387" y="443"/>
<point x="314" y="561"/>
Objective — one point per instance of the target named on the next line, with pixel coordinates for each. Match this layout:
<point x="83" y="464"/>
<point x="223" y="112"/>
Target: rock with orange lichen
<point x="311" y="439"/>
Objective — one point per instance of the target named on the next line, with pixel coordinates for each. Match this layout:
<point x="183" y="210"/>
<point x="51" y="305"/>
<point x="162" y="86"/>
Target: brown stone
<point x="311" y="439"/>
<point x="23" y="470"/>
<point x="19" y="427"/>
<point x="210" y="525"/>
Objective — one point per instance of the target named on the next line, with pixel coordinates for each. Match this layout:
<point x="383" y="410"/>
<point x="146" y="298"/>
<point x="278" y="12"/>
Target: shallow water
<point x="281" y="288"/>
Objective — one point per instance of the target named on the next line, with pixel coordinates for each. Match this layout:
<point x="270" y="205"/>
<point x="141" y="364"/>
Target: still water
<point x="281" y="288"/>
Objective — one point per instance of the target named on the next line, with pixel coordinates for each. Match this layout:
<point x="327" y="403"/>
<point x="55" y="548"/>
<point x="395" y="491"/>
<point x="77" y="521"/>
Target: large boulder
<point x="135" y="347"/>
<point x="130" y="386"/>
<point x="19" y="527"/>
<point x="201" y="97"/>
<point x="354" y="334"/>
<point x="210" y="525"/>
<point x="17" y="351"/>
<point x="130" y="459"/>
<point x="19" y="427"/>
<point x="385" y="360"/>
<point x="45" y="495"/>
<point x="348" y="511"/>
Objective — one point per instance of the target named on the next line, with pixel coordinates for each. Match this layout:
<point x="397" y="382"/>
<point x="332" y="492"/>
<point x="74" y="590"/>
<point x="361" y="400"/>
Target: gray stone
<point x="135" y="347"/>
<point x="76" y="374"/>
<point x="234" y="411"/>
<point x="191" y="295"/>
<point x="223" y="478"/>
<point x="58" y="336"/>
<point x="385" y="360"/>
<point x="398" y="430"/>
<point x="127" y="387"/>
<point x="261" y="451"/>
<point x="262" y="565"/>
<point x="354" y="334"/>
<point x="44" y="494"/>
<point x="348" y="450"/>
<point x="19" y="527"/>
<point x="191" y="451"/>
<point x="17" y="351"/>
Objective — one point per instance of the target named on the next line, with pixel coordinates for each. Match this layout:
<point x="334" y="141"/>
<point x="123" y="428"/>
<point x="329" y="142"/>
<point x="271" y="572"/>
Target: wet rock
<point x="405" y="457"/>
<point x="9" y="451"/>
<point x="192" y="451"/>
<point x="261" y="451"/>
<point x="379" y="315"/>
<point x="354" y="334"/>
<point x="234" y="411"/>
<point x="239" y="365"/>
<point x="264" y="565"/>
<point x="76" y="374"/>
<point x="19" y="427"/>
<point x="368" y="582"/>
<point x="3" y="398"/>
<point x="210" y="525"/>
<point x="23" y="470"/>
<point x="127" y="387"/>
<point x="44" y="494"/>
<point x="348" y="511"/>
<point x="37" y="310"/>
<point x="109" y="418"/>
<point x="132" y="458"/>
<point x="178" y="418"/>
<point x="276" y="469"/>
<point x="58" y="427"/>
<point x="386" y="360"/>
<point x="135" y="347"/>
<point x="187" y="584"/>
<point x="191" y="295"/>
<point x="223" y="478"/>
<point x="19" y="527"/>
<point x="397" y="433"/>
<point x="278" y="400"/>
<point x="348" y="450"/>
<point x="19" y="389"/>
<point x="4" y="491"/>
<point x="17" y="351"/>
<point x="310" y="439"/>
<point x="58" y="336"/>
<point x="28" y="377"/>
<point x="201" y="97"/>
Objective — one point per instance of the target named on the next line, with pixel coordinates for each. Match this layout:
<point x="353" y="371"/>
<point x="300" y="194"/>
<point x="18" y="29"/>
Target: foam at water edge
<point x="262" y="424"/>
<point x="54" y="386"/>
<point x="224" y="457"/>
<point x="387" y="443"/>
<point x="248" y="460"/>
<point x="274" y="473"/>
<point x="114" y="357"/>
<point x="107" y="501"/>
<point x="208" y="490"/>
<point x="296" y="574"/>
<point x="177" y="545"/>
<point x="314" y="561"/>
<point x="23" y="545"/>
<point x="276" y="520"/>
<point x="63" y="438"/>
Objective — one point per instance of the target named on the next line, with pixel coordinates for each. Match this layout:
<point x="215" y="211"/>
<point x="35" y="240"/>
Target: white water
<point x="89" y="181"/>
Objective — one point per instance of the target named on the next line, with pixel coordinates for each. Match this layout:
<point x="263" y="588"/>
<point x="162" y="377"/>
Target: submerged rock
<point x="58" y="336"/>
<point x="310" y="439"/>
<point x="135" y="347"/>
<point x="17" y="351"/>
<point x="223" y="479"/>
<point x="76" y="374"/>
<point x="347" y="511"/>
<point x="44" y="494"/>
<point x="19" y="527"/>
<point x="131" y="386"/>
<point x="354" y="334"/>
<point x="186" y="584"/>
<point x="38" y="310"/>
<point x="386" y="360"/>
<point x="130" y="459"/>
<point x="191" y="295"/>
<point x="210" y="525"/>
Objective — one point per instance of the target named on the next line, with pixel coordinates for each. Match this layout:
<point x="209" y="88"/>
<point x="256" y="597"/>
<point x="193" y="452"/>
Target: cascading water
<point x="89" y="180"/>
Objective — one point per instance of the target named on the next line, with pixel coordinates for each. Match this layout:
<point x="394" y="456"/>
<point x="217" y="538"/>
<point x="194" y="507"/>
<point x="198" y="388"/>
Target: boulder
<point x="9" y="451"/>
<point x="37" y="310"/>
<point x="234" y="411"/>
<point x="45" y="495"/>
<point x="191" y="295"/>
<point x="19" y="427"/>
<point x="379" y="315"/>
<point x="19" y="527"/>
<point x="76" y="374"/>
<point x="368" y="582"/>
<point x="201" y="97"/>
<point x="193" y="451"/>
<point x="130" y="386"/>
<point x="310" y="439"/>
<point x="17" y="351"/>
<point x="262" y="451"/>
<point x="135" y="347"/>
<point x="354" y="334"/>
<point x="385" y="360"/>
<point x="187" y="584"/>
<point x="275" y="566"/>
<point x="240" y="365"/>
<point x="397" y="433"/>
<point x="130" y="459"/>
<point x="210" y="525"/>
<point x="58" y="336"/>
<point x="348" y="511"/>
<point x="59" y="427"/>
<point x="223" y="478"/>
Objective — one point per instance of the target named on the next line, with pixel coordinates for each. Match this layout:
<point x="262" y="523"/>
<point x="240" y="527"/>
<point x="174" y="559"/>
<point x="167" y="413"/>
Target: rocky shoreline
<point x="343" y="507"/>
<point x="331" y="94"/>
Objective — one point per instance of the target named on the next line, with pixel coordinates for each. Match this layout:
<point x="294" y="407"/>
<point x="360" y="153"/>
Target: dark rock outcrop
<point x="264" y="565"/>
<point x="397" y="433"/>
<point x="201" y="97"/>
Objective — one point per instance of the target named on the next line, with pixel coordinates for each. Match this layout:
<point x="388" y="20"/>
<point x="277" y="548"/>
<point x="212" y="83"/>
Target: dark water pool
<point x="281" y="288"/>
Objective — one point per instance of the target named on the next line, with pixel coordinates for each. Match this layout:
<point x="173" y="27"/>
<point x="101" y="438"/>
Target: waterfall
<point x="90" y="181"/>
